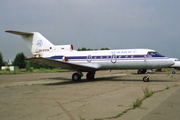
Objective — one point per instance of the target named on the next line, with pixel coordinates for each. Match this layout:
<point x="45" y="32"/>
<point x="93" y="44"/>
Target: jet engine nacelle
<point x="60" y="48"/>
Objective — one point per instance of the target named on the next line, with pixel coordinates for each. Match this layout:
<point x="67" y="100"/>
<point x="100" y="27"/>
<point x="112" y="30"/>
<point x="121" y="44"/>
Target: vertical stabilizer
<point x="37" y="43"/>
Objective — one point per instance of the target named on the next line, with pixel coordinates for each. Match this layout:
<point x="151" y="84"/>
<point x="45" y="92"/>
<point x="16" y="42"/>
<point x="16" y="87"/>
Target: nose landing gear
<point x="146" y="78"/>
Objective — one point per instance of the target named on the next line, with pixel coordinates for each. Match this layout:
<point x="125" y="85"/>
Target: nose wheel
<point x="174" y="72"/>
<point x="146" y="78"/>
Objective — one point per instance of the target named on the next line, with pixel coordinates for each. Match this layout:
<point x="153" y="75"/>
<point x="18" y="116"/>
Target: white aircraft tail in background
<point x="65" y="57"/>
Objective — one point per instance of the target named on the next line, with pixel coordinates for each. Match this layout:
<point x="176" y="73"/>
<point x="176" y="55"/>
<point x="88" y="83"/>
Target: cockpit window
<point x="153" y="53"/>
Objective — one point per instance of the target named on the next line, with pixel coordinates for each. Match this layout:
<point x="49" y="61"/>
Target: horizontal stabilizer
<point x="18" y="32"/>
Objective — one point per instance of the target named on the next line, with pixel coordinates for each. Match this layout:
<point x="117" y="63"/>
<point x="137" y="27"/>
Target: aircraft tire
<point x="173" y="72"/>
<point x="144" y="71"/>
<point x="76" y="77"/>
<point x="139" y="71"/>
<point x="145" y="79"/>
<point x="90" y="76"/>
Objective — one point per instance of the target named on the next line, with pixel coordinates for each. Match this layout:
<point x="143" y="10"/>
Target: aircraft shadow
<point x="149" y="73"/>
<point x="66" y="81"/>
<point x="69" y="81"/>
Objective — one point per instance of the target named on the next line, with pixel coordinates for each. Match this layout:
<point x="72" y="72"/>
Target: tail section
<point x="38" y="44"/>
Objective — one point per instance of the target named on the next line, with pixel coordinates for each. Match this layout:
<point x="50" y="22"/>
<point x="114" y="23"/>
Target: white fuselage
<point x="114" y="59"/>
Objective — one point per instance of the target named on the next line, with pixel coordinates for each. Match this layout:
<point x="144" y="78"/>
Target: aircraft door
<point x="113" y="58"/>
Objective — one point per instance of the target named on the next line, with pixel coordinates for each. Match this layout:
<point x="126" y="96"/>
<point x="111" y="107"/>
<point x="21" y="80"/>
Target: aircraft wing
<point x="64" y="65"/>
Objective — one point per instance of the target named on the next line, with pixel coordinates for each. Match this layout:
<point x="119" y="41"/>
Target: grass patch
<point x="167" y="87"/>
<point x="124" y="111"/>
<point x="81" y="118"/>
<point x="171" y="76"/>
<point x="147" y="92"/>
<point x="119" y="115"/>
<point x="42" y="70"/>
<point x="137" y="103"/>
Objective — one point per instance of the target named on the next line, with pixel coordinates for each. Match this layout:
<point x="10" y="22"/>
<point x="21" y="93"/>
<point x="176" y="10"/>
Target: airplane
<point x="176" y="65"/>
<point x="63" y="56"/>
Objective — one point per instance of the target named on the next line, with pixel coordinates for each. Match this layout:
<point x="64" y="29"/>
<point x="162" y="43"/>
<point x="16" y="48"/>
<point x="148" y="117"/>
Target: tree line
<point x="20" y="60"/>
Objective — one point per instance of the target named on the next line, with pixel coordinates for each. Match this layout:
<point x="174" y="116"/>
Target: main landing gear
<point x="90" y="75"/>
<point x="141" y="71"/>
<point x="77" y="76"/>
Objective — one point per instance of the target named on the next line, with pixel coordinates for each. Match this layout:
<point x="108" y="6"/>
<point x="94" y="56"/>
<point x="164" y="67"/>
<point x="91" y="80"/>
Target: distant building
<point x="11" y="68"/>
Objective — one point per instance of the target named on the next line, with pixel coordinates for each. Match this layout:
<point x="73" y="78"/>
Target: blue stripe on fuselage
<point x="106" y="57"/>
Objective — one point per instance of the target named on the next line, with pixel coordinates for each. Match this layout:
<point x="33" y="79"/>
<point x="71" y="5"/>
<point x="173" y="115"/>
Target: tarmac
<point x="160" y="106"/>
<point x="55" y="96"/>
<point x="167" y="110"/>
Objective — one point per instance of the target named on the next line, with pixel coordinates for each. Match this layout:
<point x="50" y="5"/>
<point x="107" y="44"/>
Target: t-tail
<point x="39" y="45"/>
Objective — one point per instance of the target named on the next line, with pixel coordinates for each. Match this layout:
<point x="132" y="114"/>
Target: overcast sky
<point x="118" y="24"/>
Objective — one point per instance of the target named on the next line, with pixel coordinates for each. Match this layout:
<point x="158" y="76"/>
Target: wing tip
<point x="19" y="32"/>
<point x="8" y="31"/>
